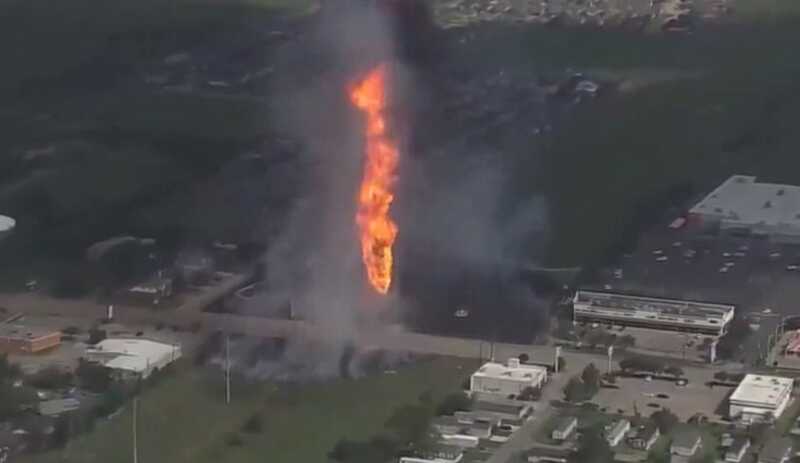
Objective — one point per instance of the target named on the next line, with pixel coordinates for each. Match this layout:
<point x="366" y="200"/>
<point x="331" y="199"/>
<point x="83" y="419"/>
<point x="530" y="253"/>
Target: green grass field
<point x="184" y="419"/>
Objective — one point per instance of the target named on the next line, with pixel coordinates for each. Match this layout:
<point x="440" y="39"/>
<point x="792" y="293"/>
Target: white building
<point x="564" y="427"/>
<point x="760" y="208"/>
<point x="440" y="453"/>
<point x="509" y="379"/>
<point x="760" y="397"/>
<point x="139" y="357"/>
<point x="615" y="432"/>
<point x="652" y="312"/>
<point x="684" y="446"/>
<point x="7" y="224"/>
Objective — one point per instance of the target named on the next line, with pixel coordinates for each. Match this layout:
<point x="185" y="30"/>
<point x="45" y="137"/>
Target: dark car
<point x="662" y="396"/>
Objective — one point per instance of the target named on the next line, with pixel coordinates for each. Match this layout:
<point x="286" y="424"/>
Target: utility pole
<point x="227" y="369"/>
<point x="135" y="440"/>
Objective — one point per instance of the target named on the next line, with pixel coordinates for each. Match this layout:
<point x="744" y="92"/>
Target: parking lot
<point x="642" y="395"/>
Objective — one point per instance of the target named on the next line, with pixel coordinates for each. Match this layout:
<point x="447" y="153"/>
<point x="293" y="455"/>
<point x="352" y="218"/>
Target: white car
<point x="658" y="252"/>
<point x="677" y="244"/>
<point x="726" y="254"/>
<point x="724" y="269"/>
<point x="739" y="254"/>
<point x="662" y="259"/>
<point x="792" y="268"/>
<point x="774" y="255"/>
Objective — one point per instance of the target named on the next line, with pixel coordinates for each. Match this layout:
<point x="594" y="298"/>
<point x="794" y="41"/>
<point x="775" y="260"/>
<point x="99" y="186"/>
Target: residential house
<point x="644" y="437"/>
<point x="736" y="451"/>
<point x="685" y="445"/>
<point x="58" y="406"/>
<point x="548" y="455"/>
<point x="441" y="453"/>
<point x="564" y="427"/>
<point x="615" y="432"/>
<point x="504" y="408"/>
<point x="776" y="450"/>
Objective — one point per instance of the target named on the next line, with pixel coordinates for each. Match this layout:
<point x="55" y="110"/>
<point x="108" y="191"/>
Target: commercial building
<point x="736" y="451"/>
<point x="652" y="312"/>
<point x="18" y="339"/>
<point x="507" y="380"/>
<point x="760" y="398"/>
<point x="740" y="203"/>
<point x="135" y="357"/>
<point x="776" y="450"/>
<point x="504" y="409"/>
<point x="564" y="427"/>
<point x="615" y="432"/>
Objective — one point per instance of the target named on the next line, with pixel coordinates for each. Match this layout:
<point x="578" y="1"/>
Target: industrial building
<point x="760" y="397"/>
<point x="17" y="339"/>
<point x="741" y="203"/>
<point x="508" y="379"/>
<point x="652" y="312"/>
<point x="134" y="357"/>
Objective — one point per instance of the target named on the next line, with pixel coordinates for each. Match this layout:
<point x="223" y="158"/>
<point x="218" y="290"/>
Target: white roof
<point x="133" y="354"/>
<point x="511" y="371"/>
<point x="6" y="223"/>
<point x="742" y="200"/>
<point x="761" y="390"/>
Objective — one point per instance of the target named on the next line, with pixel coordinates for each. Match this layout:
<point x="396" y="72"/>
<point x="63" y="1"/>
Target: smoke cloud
<point x="458" y="217"/>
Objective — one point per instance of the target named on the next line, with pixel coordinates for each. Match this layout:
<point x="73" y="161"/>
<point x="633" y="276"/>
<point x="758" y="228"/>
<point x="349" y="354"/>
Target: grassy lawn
<point x="184" y="419"/>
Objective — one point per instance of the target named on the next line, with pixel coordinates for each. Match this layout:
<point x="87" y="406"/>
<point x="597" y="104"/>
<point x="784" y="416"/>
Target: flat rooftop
<point x="631" y="302"/>
<point x="512" y="371"/>
<point x="740" y="199"/>
<point x="19" y="332"/>
<point x="761" y="389"/>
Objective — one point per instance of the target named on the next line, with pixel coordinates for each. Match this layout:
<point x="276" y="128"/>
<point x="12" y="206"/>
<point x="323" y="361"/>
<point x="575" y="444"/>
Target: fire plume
<point x="376" y="228"/>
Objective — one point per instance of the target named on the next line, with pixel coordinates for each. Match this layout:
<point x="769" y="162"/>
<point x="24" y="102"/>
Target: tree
<point x="524" y="358"/>
<point x="593" y="448"/>
<point x="9" y="372"/>
<point x="409" y="423"/>
<point x="576" y="390"/>
<point x="96" y="335"/>
<point x="591" y="377"/>
<point x="641" y="364"/>
<point x="253" y="425"/>
<point x="453" y="403"/>
<point x="93" y="377"/>
<point x="530" y="393"/>
<point x="50" y="378"/>
<point x="626" y="341"/>
<point x="665" y="420"/>
<point x="731" y="343"/>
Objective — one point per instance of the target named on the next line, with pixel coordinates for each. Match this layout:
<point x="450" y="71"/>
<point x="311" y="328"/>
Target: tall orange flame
<point x="377" y="230"/>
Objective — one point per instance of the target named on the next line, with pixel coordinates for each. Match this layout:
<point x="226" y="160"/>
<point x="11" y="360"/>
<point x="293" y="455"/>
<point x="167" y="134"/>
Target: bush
<point x="253" y="425"/>
<point x="454" y="403"/>
<point x="50" y="378"/>
<point x="234" y="440"/>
